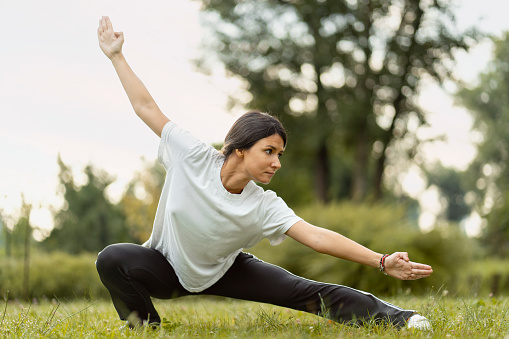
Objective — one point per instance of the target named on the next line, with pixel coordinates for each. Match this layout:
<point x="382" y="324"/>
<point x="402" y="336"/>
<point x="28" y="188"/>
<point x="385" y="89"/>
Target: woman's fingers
<point x="417" y="273"/>
<point x="421" y="273"/>
<point x="101" y="28"/>
<point x="421" y="266"/>
<point x="104" y="25"/>
<point x="421" y="270"/>
<point x="411" y="270"/>
<point x="109" y="26"/>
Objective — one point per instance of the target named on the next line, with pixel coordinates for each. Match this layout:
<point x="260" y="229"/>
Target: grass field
<point x="212" y="317"/>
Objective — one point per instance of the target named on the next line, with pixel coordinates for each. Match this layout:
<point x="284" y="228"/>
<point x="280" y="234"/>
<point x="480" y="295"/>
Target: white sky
<point x="59" y="94"/>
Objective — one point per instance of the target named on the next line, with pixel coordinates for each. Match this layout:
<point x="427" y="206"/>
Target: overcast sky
<point x="59" y="94"/>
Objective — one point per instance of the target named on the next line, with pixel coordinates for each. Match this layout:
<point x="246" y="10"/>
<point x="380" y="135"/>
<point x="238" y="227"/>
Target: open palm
<point x="109" y="41"/>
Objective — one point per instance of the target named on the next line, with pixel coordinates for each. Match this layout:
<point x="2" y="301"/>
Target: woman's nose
<point x="276" y="163"/>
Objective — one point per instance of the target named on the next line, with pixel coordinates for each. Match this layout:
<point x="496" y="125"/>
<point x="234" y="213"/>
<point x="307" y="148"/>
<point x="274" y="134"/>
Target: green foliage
<point x="384" y="229"/>
<point x="18" y="239"/>
<point x="139" y="202"/>
<point x="451" y="184"/>
<point x="496" y="234"/>
<point x="292" y="184"/>
<point x="485" y="277"/>
<point x="336" y="73"/>
<point x="88" y="221"/>
<point x="52" y="275"/>
<point x="5" y="236"/>
<point x="15" y="238"/>
<point x="489" y="173"/>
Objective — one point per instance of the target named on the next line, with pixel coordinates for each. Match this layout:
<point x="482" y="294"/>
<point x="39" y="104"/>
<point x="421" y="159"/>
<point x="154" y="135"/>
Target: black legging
<point x="133" y="274"/>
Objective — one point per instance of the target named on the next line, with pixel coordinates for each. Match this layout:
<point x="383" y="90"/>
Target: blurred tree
<point x="15" y="236"/>
<point x="488" y="100"/>
<point x="343" y="76"/>
<point x="139" y="203"/>
<point x="451" y="184"/>
<point x="88" y="221"/>
<point x="496" y="233"/>
<point x="19" y="241"/>
<point x="5" y="236"/>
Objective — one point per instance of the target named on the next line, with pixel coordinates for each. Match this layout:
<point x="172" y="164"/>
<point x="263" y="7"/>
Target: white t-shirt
<point x="199" y="226"/>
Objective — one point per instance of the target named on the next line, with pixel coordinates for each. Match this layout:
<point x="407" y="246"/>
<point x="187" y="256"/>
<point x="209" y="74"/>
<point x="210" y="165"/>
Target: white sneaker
<point x="418" y="322"/>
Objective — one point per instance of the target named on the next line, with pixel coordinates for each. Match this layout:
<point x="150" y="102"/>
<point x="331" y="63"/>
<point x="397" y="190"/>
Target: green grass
<point x="213" y="317"/>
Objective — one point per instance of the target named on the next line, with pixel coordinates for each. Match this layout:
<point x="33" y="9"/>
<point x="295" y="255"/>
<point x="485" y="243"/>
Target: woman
<point x="210" y="209"/>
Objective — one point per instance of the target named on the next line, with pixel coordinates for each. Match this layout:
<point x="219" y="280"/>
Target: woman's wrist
<point x="116" y="57"/>
<point x="381" y="265"/>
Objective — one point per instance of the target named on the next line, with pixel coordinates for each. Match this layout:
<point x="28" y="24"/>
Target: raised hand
<point x="398" y="265"/>
<point x="109" y="41"/>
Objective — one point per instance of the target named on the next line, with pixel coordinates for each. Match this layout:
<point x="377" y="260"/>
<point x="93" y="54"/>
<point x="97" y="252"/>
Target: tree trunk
<point x="359" y="175"/>
<point x="322" y="175"/>
<point x="379" y="173"/>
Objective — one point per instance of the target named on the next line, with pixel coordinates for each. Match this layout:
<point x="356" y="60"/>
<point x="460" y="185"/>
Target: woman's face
<point x="261" y="161"/>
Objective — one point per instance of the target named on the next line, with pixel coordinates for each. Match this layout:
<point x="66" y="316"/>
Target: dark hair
<point x="249" y="128"/>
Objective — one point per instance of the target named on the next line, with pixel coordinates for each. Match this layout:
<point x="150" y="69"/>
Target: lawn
<point x="214" y="317"/>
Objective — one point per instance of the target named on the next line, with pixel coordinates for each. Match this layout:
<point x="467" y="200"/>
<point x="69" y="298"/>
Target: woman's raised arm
<point x="322" y="240"/>
<point x="141" y="100"/>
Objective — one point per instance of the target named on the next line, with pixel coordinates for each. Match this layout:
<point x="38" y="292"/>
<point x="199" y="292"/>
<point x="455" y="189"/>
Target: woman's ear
<point x="239" y="152"/>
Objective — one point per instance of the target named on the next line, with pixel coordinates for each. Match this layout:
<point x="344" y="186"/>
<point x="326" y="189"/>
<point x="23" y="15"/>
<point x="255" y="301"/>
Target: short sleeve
<point x="278" y="218"/>
<point x="175" y="144"/>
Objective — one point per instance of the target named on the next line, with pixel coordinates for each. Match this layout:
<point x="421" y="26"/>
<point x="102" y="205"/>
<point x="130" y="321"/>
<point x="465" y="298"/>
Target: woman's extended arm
<point x="322" y="240"/>
<point x="141" y="100"/>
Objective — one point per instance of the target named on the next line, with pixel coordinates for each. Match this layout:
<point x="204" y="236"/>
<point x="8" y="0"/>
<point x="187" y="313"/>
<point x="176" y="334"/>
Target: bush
<point x="384" y="229"/>
<point x="53" y="275"/>
<point x="485" y="277"/>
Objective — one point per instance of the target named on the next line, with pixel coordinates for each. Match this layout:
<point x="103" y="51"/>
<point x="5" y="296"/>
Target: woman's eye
<point x="269" y="151"/>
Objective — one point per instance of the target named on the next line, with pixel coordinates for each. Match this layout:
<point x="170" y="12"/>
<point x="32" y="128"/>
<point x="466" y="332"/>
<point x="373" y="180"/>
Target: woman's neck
<point x="231" y="178"/>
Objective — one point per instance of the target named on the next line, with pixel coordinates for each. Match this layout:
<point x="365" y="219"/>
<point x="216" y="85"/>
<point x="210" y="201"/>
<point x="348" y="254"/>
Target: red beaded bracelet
<point x="382" y="264"/>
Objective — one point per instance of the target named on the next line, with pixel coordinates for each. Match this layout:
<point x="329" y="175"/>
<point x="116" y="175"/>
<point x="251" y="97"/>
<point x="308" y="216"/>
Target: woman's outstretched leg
<point x="133" y="274"/>
<point x="252" y="279"/>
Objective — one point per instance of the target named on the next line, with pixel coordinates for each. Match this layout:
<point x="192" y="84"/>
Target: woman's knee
<point x="111" y="259"/>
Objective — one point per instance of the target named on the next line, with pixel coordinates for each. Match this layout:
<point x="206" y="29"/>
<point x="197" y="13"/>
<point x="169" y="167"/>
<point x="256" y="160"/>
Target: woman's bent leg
<point x="252" y="279"/>
<point x="132" y="274"/>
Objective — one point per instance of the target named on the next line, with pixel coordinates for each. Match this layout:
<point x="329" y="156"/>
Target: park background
<point x="398" y="158"/>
